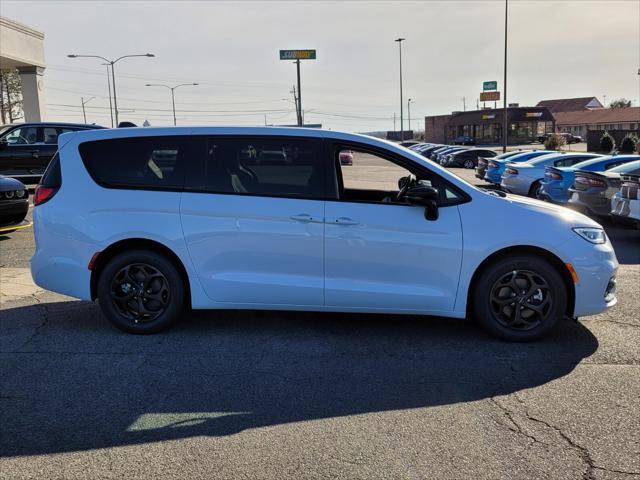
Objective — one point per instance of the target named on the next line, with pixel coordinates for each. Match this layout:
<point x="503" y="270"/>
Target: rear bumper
<point x="516" y="184"/>
<point x="552" y="194"/>
<point x="493" y="176"/>
<point x="593" y="204"/>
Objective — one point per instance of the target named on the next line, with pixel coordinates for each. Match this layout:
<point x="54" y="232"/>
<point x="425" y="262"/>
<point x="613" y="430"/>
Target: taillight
<point x="554" y="176"/>
<point x="493" y="164"/>
<point x="511" y="171"/>
<point x="591" y="182"/>
<point x="43" y="194"/>
<point x="482" y="162"/>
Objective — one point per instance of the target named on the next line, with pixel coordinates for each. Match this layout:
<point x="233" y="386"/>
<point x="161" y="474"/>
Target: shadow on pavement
<point x="77" y="384"/>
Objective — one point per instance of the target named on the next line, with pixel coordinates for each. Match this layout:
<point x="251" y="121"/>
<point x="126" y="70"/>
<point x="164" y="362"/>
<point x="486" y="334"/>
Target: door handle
<point x="35" y="153"/>
<point x="303" y="217"/>
<point x="346" y="221"/>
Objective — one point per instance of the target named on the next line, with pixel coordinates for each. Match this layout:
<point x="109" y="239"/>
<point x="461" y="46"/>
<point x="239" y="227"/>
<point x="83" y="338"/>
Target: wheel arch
<point x="142" y="244"/>
<point x="553" y="259"/>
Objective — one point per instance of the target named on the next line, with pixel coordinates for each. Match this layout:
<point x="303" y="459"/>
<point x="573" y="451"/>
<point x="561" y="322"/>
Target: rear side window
<point x="52" y="176"/>
<point x="277" y="167"/>
<point x="137" y="162"/>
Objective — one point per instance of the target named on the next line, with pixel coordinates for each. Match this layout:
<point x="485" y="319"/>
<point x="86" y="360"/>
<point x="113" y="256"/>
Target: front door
<point x="20" y="152"/>
<point x="252" y="215"/>
<point x="381" y="253"/>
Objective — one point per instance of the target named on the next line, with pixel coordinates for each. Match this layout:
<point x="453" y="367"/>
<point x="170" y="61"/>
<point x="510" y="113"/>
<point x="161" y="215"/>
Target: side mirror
<point x="427" y="197"/>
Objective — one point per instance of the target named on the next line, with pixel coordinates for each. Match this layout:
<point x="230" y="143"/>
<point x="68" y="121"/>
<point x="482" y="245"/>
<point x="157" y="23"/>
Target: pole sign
<point x="297" y="54"/>
<point x="489" y="86"/>
<point x="489" y="96"/>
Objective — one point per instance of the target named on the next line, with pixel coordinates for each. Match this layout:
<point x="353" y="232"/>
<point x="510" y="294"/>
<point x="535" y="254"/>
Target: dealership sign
<point x="487" y="86"/>
<point x="488" y="116"/>
<point x="534" y="114"/>
<point x="297" y="54"/>
<point x="489" y="96"/>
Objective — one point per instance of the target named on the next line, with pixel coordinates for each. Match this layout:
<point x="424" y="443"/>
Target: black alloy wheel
<point x="520" y="297"/>
<point x="521" y="300"/>
<point x="141" y="291"/>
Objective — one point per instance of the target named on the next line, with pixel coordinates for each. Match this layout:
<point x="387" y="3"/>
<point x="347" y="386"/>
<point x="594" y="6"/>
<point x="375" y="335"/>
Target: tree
<point x="620" y="103"/>
<point x="10" y="96"/>
<point x="629" y="143"/>
<point x="555" y="142"/>
<point x="607" y="143"/>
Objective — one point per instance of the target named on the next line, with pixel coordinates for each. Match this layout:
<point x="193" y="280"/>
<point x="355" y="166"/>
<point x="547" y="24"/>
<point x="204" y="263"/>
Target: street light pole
<point x="109" y="88"/>
<point x="173" y="98"/>
<point x="113" y="75"/>
<point x="505" y="133"/>
<point x="400" y="40"/>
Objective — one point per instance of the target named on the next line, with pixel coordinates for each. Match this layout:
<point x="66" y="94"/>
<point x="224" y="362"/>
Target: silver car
<point x="524" y="178"/>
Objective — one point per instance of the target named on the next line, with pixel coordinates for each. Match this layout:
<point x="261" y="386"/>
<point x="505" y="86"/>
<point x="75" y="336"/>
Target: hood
<point x="558" y="213"/>
<point x="8" y="184"/>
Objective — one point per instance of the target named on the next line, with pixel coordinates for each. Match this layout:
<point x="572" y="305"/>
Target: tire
<point x="469" y="164"/>
<point x="507" y="278"/>
<point x="119" y="292"/>
<point x="533" y="191"/>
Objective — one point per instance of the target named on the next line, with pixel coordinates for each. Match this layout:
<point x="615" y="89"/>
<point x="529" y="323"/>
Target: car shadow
<point x="73" y="383"/>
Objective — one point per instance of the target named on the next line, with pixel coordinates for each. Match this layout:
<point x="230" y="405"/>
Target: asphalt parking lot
<point x="303" y="395"/>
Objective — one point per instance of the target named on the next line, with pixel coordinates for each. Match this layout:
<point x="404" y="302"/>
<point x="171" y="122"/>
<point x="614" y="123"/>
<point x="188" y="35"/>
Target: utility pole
<point x="84" y="115"/>
<point x="505" y="133"/>
<point x="299" y="94"/>
<point x="464" y="104"/>
<point x="400" y="40"/>
<point x="409" y="102"/>
<point x="394" y="122"/>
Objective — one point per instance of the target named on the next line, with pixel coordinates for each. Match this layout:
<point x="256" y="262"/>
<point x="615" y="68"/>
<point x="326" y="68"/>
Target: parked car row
<point x="27" y="148"/>
<point x="453" y="155"/>
<point x="568" y="137"/>
<point x="587" y="182"/>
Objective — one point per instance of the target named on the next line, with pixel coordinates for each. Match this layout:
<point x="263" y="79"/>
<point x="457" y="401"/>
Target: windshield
<point x="4" y="128"/>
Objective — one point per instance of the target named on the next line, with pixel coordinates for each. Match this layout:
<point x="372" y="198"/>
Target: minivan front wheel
<point x="141" y="292"/>
<point x="520" y="298"/>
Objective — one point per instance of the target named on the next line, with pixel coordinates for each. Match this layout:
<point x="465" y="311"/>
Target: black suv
<point x="26" y="148"/>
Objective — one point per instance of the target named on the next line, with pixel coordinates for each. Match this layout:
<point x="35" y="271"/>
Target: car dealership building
<point x="485" y="125"/>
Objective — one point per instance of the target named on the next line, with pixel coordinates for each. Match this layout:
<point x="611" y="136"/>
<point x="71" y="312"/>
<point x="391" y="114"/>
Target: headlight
<point x="9" y="194"/>
<point x="593" y="235"/>
<point x="20" y="193"/>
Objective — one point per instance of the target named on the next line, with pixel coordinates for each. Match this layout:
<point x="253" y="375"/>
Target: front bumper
<point x="596" y="267"/>
<point x="12" y="212"/>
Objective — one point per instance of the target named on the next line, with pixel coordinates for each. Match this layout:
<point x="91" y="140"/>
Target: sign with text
<point x="534" y="114"/>
<point x="489" y="96"/>
<point x="487" y="86"/>
<point x="297" y="54"/>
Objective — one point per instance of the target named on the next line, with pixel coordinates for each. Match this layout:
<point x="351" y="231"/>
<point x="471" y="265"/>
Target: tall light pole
<point x="400" y="40"/>
<point x="173" y="98"/>
<point x="84" y="102"/>
<point x="505" y="133"/>
<point x="109" y="88"/>
<point x="113" y="74"/>
<point x="409" y="102"/>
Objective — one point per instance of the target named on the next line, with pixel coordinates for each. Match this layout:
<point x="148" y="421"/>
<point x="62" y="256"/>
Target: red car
<point x="346" y="157"/>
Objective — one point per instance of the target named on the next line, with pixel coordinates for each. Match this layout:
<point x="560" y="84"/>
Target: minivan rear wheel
<point x="141" y="291"/>
<point x="520" y="298"/>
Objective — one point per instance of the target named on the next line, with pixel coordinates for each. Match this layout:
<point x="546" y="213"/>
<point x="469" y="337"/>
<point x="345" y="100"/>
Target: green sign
<point x="488" y="86"/>
<point x="297" y="54"/>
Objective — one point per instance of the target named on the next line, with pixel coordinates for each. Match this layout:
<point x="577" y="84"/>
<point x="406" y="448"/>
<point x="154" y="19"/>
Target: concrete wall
<point x="22" y="47"/>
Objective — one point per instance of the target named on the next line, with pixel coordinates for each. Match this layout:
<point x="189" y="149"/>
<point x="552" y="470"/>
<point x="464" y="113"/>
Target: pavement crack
<point x="517" y="428"/>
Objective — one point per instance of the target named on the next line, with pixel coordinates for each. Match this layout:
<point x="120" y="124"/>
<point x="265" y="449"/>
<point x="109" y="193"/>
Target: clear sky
<point x="557" y="49"/>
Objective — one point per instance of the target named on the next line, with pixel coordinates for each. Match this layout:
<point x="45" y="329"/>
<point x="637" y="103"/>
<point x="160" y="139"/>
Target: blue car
<point x="496" y="167"/>
<point x="557" y="180"/>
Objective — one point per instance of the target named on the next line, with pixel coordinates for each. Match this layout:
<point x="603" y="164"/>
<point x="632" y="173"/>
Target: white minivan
<point x="150" y="221"/>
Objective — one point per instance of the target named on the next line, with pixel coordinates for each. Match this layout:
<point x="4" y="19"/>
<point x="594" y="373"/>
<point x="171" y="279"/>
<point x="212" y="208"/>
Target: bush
<point x="607" y="143"/>
<point x="629" y="143"/>
<point x="555" y="142"/>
